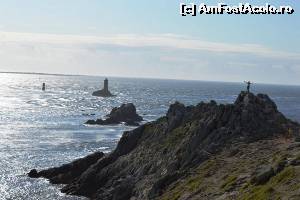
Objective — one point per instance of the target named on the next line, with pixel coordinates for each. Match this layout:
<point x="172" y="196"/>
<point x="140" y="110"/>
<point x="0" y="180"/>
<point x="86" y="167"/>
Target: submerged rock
<point x="125" y="113"/>
<point x="150" y="159"/>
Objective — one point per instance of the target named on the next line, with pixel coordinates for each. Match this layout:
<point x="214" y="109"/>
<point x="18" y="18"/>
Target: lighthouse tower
<point x="105" y="85"/>
<point x="104" y="92"/>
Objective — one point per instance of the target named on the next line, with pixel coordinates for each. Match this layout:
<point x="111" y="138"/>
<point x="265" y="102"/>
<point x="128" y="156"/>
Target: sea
<point x="42" y="129"/>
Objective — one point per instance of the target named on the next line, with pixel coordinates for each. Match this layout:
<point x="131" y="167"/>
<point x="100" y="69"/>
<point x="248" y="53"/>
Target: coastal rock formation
<point x="125" y="113"/>
<point x="68" y="172"/>
<point x="208" y="151"/>
<point x="102" y="93"/>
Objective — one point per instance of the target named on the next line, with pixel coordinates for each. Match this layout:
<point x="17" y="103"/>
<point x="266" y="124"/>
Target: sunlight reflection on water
<point x="45" y="129"/>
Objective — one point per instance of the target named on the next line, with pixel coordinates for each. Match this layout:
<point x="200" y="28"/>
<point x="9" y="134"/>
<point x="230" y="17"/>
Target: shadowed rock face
<point x="125" y="113"/>
<point x="150" y="158"/>
<point x="68" y="172"/>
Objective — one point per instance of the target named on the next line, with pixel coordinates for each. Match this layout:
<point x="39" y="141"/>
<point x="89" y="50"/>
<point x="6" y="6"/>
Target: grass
<point x="192" y="183"/>
<point x="198" y="182"/>
<point x="229" y="183"/>
<point x="161" y="120"/>
<point x="268" y="191"/>
<point x="297" y="157"/>
<point x="175" y="137"/>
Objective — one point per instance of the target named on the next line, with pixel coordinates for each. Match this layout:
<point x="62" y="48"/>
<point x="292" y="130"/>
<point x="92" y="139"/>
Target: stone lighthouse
<point x="105" y="85"/>
<point x="104" y="92"/>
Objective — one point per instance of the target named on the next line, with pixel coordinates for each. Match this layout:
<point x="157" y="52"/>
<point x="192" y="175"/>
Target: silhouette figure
<point x="44" y="87"/>
<point x="248" y="85"/>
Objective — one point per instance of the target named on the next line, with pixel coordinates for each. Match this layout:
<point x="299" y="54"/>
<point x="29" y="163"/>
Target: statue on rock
<point x="104" y="92"/>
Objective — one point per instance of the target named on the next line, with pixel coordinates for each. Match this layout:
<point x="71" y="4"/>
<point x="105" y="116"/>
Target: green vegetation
<point x="192" y="183"/>
<point x="161" y="120"/>
<point x="295" y="186"/>
<point x="297" y="157"/>
<point x="261" y="193"/>
<point x="279" y="157"/>
<point x="286" y="175"/>
<point x="229" y="183"/>
<point x="148" y="128"/>
<point x="176" y="136"/>
<point x="268" y="191"/>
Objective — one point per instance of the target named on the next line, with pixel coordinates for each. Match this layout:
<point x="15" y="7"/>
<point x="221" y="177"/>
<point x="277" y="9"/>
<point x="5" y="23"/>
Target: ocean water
<point x="46" y="129"/>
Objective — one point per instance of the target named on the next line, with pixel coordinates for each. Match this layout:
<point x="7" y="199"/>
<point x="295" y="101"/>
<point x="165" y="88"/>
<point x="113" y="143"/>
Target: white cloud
<point x="165" y="55"/>
<point x="150" y="40"/>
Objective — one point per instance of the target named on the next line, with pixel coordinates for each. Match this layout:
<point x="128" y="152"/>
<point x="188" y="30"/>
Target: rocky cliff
<point x="244" y="150"/>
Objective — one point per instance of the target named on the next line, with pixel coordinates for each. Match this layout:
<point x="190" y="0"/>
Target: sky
<point x="142" y="38"/>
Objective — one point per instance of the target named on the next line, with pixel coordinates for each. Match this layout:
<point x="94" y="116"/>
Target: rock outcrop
<point x="68" y="172"/>
<point x="125" y="113"/>
<point x="103" y="93"/>
<point x="176" y="156"/>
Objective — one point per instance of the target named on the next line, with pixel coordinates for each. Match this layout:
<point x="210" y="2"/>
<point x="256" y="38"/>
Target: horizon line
<point x="153" y="78"/>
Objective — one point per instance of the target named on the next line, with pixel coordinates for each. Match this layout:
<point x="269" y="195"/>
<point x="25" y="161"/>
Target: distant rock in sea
<point x="104" y="92"/>
<point x="125" y="113"/>
<point x="245" y="150"/>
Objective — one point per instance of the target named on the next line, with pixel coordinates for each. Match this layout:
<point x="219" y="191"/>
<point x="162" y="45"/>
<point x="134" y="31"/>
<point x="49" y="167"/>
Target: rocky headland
<point x="126" y="113"/>
<point x="244" y="150"/>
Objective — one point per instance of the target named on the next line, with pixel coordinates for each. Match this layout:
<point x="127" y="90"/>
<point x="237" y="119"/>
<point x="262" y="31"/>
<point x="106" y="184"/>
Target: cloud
<point x="163" y="56"/>
<point x="150" y="40"/>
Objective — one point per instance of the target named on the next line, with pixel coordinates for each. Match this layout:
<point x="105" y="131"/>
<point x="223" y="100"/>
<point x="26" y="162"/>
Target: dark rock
<point x="102" y="93"/>
<point x="152" y="157"/>
<point x="262" y="175"/>
<point x="295" y="161"/>
<point x="132" y="123"/>
<point x="86" y="114"/>
<point x="91" y="122"/>
<point x="233" y="152"/>
<point x="33" y="173"/>
<point x="98" y="174"/>
<point x="68" y="172"/>
<point x="294" y="145"/>
<point x="175" y="115"/>
<point x="161" y="184"/>
<point x="121" y="190"/>
<point x="280" y="166"/>
<point x="125" y="113"/>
